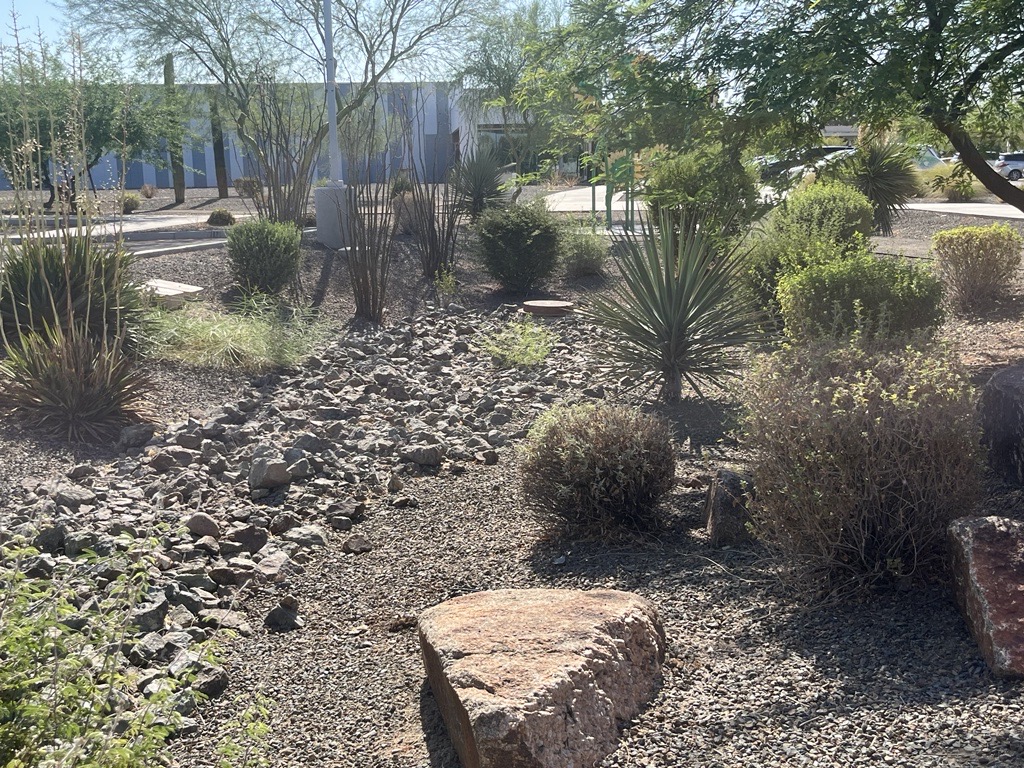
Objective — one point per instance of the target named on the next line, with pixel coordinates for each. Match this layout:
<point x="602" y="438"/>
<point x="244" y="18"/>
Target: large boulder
<point x="1002" y="420"/>
<point x="540" y="678"/>
<point x="988" y="577"/>
<point x="726" y="509"/>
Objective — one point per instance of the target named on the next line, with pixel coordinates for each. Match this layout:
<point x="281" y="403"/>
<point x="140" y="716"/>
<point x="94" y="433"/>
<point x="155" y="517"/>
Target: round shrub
<point x="599" y="468"/>
<point x="130" y="203"/>
<point x="583" y="253"/>
<point x="976" y="263"/>
<point x="879" y="298"/>
<point x="519" y="245"/>
<point x="265" y="255"/>
<point x="221" y="217"/>
<point x="860" y="459"/>
<point x="828" y="211"/>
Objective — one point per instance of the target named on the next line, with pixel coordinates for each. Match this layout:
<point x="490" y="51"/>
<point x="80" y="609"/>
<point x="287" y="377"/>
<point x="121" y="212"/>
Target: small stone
<point x="357" y="545"/>
<point x="201" y="524"/>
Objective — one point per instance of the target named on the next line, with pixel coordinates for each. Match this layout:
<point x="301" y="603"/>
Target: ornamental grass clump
<point x="265" y="255"/>
<point x="599" y="469"/>
<point x="977" y="264"/>
<point x="861" y="459"/>
<point x="679" y="314"/>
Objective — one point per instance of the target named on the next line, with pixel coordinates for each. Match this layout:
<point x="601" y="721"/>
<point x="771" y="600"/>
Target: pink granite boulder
<point x="988" y="578"/>
<point x="540" y="678"/>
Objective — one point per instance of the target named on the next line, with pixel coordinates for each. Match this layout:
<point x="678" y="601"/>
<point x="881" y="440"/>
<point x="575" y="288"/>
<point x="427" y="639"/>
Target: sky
<point x="33" y="15"/>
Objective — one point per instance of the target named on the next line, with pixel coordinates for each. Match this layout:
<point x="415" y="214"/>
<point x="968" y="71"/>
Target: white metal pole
<point x="332" y="94"/>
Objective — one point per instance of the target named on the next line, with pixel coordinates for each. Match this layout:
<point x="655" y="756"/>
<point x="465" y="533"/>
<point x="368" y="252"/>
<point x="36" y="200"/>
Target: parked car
<point x="773" y="167"/>
<point x="1010" y="165"/>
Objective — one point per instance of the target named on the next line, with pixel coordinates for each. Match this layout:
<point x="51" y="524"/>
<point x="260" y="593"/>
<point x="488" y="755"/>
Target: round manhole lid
<point x="548" y="307"/>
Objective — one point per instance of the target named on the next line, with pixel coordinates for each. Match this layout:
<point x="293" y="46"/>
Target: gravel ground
<point x="750" y="680"/>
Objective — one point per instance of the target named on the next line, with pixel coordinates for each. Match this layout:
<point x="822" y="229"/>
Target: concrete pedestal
<point x="332" y="214"/>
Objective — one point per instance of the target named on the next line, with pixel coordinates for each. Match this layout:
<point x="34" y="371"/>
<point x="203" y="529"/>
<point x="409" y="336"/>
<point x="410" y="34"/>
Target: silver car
<point x="1010" y="165"/>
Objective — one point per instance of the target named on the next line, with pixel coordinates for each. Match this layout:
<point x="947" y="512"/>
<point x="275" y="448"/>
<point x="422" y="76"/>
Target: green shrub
<point x="816" y="224"/>
<point x="679" y="313"/>
<point x="265" y="255"/>
<point x="692" y="181"/>
<point x="260" y="335"/>
<point x="879" y="298"/>
<point x="401" y="185"/>
<point x="72" y="383"/>
<point x="599" y="468"/>
<point x="130" y="203"/>
<point x="519" y="245"/>
<point x="520" y="344"/>
<point x="221" y="217"/>
<point x="860" y="459"/>
<point x="884" y="172"/>
<point x="582" y="253"/>
<point x="826" y="211"/>
<point x="976" y="264"/>
<point x="955" y="183"/>
<point x="66" y="695"/>
<point x="47" y="283"/>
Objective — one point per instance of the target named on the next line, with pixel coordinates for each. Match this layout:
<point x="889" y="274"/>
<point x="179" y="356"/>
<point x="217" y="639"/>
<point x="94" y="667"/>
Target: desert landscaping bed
<point x="750" y="679"/>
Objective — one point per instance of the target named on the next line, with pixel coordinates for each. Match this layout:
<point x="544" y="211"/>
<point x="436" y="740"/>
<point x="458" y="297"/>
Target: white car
<point x="1010" y="165"/>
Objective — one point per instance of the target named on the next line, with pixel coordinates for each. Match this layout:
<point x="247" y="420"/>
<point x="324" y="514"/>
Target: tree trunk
<point x="219" y="154"/>
<point x="175" y="150"/>
<point x="975" y="161"/>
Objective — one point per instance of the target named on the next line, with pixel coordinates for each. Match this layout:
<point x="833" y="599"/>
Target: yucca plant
<point x="478" y="180"/>
<point x="69" y="279"/>
<point x="884" y="172"/>
<point x="679" y="313"/>
<point x="70" y="382"/>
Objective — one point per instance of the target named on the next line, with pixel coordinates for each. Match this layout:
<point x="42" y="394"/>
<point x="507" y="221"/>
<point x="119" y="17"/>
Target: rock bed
<point x="400" y="450"/>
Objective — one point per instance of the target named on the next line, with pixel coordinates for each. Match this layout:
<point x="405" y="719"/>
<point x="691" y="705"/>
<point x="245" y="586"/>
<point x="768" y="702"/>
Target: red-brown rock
<point x="540" y="678"/>
<point x="988" y="577"/>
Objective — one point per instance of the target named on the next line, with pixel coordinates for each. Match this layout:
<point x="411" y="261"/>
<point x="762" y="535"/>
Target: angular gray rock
<point x="988" y="580"/>
<point x="266" y="472"/>
<point x="540" y="678"/>
<point x="726" y="510"/>
<point x="1002" y="420"/>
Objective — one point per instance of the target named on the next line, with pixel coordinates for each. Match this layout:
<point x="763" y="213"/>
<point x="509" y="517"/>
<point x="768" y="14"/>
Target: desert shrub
<point x="404" y="212"/>
<point x="478" y="180"/>
<point x="826" y="211"/>
<point x="860" y="459"/>
<point x="976" y="263"/>
<point x="66" y="696"/>
<point x="599" y="468"/>
<point x="221" y="217"/>
<point x="148" y="191"/>
<point x="955" y="183"/>
<point x="130" y="203"/>
<point x="692" y="181"/>
<point x="45" y="283"/>
<point x="519" y="245"/>
<point x="884" y="172"/>
<point x="258" y="335"/>
<point x="679" y="313"/>
<point x="401" y="184"/>
<point x="816" y="224"/>
<point x="582" y="253"/>
<point x="249" y="187"/>
<point x="876" y="297"/>
<point x="265" y="255"/>
<point x="520" y="344"/>
<point x="71" y="383"/>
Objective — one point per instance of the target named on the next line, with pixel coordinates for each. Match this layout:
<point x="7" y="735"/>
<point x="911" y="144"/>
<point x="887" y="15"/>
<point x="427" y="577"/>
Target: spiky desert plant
<point x="478" y="180"/>
<point x="46" y="282"/>
<point x="70" y="382"/>
<point x="679" y="313"/>
<point x="884" y="172"/>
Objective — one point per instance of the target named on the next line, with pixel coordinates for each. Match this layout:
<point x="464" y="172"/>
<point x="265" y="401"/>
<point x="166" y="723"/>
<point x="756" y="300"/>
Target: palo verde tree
<point x="874" y="62"/>
<point x="262" y="55"/>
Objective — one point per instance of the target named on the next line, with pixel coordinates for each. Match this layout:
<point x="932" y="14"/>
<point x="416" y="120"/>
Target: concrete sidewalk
<point x="578" y="200"/>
